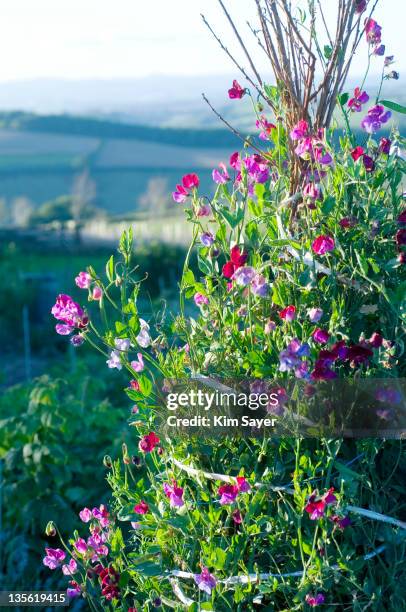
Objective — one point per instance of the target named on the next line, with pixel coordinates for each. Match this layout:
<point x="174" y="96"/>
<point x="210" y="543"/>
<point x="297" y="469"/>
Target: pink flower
<point x="357" y="153"/>
<point x="148" y="442"/>
<point x="83" y="280"/>
<point x="102" y="515"/>
<point x="265" y="126"/>
<point x="322" y="244"/>
<point x="141" y="508"/>
<point x="300" y="130"/>
<point x="200" y="299"/>
<point x="114" y="360"/>
<point x="257" y="168"/>
<point x="243" y="485"/>
<point x="360" y="6"/>
<point x="80" y="546"/>
<point x="97" y="293"/>
<point x="138" y="365"/>
<point x="54" y="557"/>
<point x="191" y="181"/>
<point x="312" y="191"/>
<point x="373" y="32"/>
<point x="315" y="600"/>
<point x="180" y="194"/>
<point x="228" y="494"/>
<point x="314" y="314"/>
<point x="204" y="210"/>
<point x="236" y="92"/>
<point x="85" y="515"/>
<point x="244" y="275"/>
<point x="235" y="161"/>
<point x="348" y="222"/>
<point x="205" y="581"/>
<point x="68" y="311"/>
<point x="63" y="330"/>
<point x="360" y="98"/>
<point x="376" y="340"/>
<point x="288" y="314"/>
<point x="174" y="493"/>
<point x="70" y="568"/>
<point x="220" y="176"/>
<point x="321" y="336"/>
<point x="236" y="516"/>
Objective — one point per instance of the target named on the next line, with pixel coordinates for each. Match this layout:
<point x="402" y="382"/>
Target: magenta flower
<point x="205" y="581"/>
<point x="322" y="244"/>
<point x="236" y="92"/>
<point x="200" y="299"/>
<point x="174" y="494"/>
<point x="138" y="365"/>
<point x="180" y="194"/>
<point x="357" y="153"/>
<point x="73" y="590"/>
<point x="141" y="508"/>
<point x="316" y="505"/>
<point x="85" y="515"/>
<point x="220" y="176"/>
<point x="373" y="32"/>
<point x="235" y="161"/>
<point x="375" y="118"/>
<point x="401" y="237"/>
<point x="288" y="314"/>
<point x="257" y="168"/>
<point x="148" y="442"/>
<point x="69" y="312"/>
<point x="385" y="145"/>
<point x="77" y="340"/>
<point x="83" y="280"/>
<point x="236" y="516"/>
<point x="348" y="222"/>
<point x="63" y="330"/>
<point x="360" y="98"/>
<point x="191" y="181"/>
<point x="97" y="293"/>
<point x="314" y="314"/>
<point x="321" y="336"/>
<point x="341" y="521"/>
<point x="402" y="218"/>
<point x="70" y="568"/>
<point x="300" y="130"/>
<point x="315" y="600"/>
<point x="80" y="546"/>
<point x="204" y="210"/>
<point x="265" y="126"/>
<point x="360" y="6"/>
<point x="243" y="484"/>
<point x="228" y="494"/>
<point x="102" y="515"/>
<point x="312" y="191"/>
<point x="54" y="557"/>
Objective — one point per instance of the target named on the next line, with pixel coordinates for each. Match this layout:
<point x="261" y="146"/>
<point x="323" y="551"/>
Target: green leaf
<point x="110" y="269"/>
<point x="188" y="278"/>
<point x="398" y="108"/>
<point x="328" y="205"/>
<point x="328" y="52"/>
<point x="233" y="219"/>
<point x="343" y="98"/>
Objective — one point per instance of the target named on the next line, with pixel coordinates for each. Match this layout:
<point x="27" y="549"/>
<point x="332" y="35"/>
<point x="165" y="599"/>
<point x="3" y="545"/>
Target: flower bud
<point x="107" y="462"/>
<point x="50" y="529"/>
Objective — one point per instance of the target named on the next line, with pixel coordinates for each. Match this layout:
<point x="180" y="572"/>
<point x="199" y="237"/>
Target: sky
<point x="84" y="39"/>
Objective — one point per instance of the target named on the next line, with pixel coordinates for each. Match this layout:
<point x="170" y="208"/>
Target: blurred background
<point x="100" y="116"/>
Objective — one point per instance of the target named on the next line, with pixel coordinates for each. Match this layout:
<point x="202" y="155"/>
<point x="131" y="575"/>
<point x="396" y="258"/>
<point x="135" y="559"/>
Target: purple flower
<point x="228" y="494"/>
<point x="80" y="546"/>
<point x="205" y="581"/>
<point x="73" y="590"/>
<point x="77" y="340"/>
<point x="389" y="59"/>
<point x="341" y="521"/>
<point x="300" y="130"/>
<point x="69" y="312"/>
<point x="315" y="314"/>
<point x="207" y="239"/>
<point x="385" y="145"/>
<point x="380" y="50"/>
<point x="63" y="330"/>
<point x="259" y="285"/>
<point x="114" y="360"/>
<point x="373" y="32"/>
<point x="54" y="557"/>
<point x="315" y="600"/>
<point x="369" y="163"/>
<point x="174" y="494"/>
<point x="257" y="168"/>
<point x="83" y="280"/>
<point x="122" y="344"/>
<point x="360" y="98"/>
<point x="85" y="515"/>
<point x="291" y="358"/>
<point x="70" y="568"/>
<point x="220" y="176"/>
<point x="375" y="118"/>
<point x="244" y="275"/>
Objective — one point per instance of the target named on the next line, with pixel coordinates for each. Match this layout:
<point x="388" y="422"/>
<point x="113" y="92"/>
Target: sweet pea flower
<point x="73" y="590"/>
<point x="143" y="338"/>
<point x="373" y="32"/>
<point x="203" y="210"/>
<point x="270" y="326"/>
<point x="141" y="508"/>
<point x="300" y="130"/>
<point x="148" y="442"/>
<point x="357" y="153"/>
<point x="257" y="168"/>
<point x="77" y="340"/>
<point x="244" y="275"/>
<point x="341" y="521"/>
<point x="385" y="146"/>
<point x="97" y="293"/>
<point x="379" y="50"/>
<point x="259" y="286"/>
<point x="200" y="299"/>
<point x="321" y="336"/>
<point x="228" y="494"/>
<point x="312" y="191"/>
<point x="85" y="515"/>
<point x="369" y="163"/>
<point x="235" y="161"/>
<point x="122" y="344"/>
<point x="180" y="194"/>
<point x="138" y="366"/>
<point x="375" y="118"/>
<point x="348" y="222"/>
<point x="236" y="92"/>
<point x="291" y="358"/>
<point x="237" y="259"/>
<point x="360" y="6"/>
<point x="220" y="176"/>
<point x="174" y="493"/>
<point x="236" y="516"/>
<point x="54" y="557"/>
<point x="322" y="244"/>
<point x="69" y="312"/>
<point x="189" y="181"/>
<point x="315" y="600"/>
<point x="63" y="330"/>
<point x="205" y="581"/>
<point x="265" y="126"/>
<point x="401" y="237"/>
<point x="114" y="360"/>
<point x="80" y="546"/>
<point x="360" y="98"/>
<point x="102" y="515"/>
<point x="83" y="280"/>
<point x="288" y="314"/>
<point x="402" y="218"/>
<point x="243" y="484"/>
<point x="316" y="505"/>
<point x="207" y="239"/>
<point x="70" y="568"/>
<point x="314" y="314"/>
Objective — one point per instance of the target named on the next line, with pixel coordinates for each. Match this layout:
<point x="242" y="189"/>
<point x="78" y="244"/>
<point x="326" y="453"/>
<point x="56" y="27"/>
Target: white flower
<point x="122" y="344"/>
<point x="114" y="361"/>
